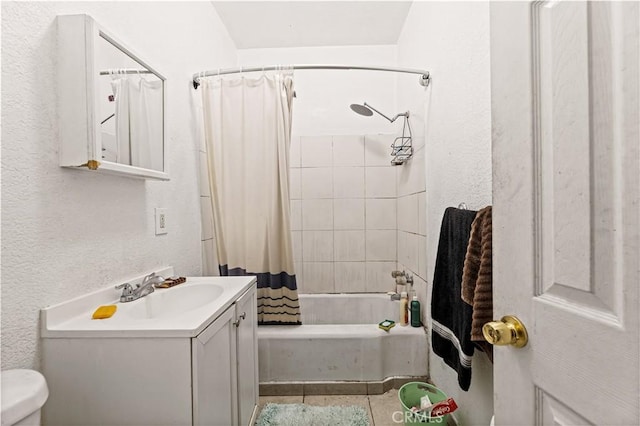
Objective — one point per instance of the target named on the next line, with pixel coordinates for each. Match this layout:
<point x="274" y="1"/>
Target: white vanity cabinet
<point x="247" y="355"/>
<point x="118" y="372"/>
<point x="225" y="371"/>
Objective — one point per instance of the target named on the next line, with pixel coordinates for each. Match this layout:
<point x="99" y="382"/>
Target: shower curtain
<point x="139" y="126"/>
<point x="247" y="130"/>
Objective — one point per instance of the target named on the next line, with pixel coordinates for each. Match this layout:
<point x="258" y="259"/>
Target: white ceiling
<point x="260" y="24"/>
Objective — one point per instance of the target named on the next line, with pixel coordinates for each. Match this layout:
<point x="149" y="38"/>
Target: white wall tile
<point x="295" y="184"/>
<point x="317" y="215"/>
<point x="419" y="171"/>
<point x="380" y="182"/>
<point x="422" y="256"/>
<point x="296" y="241"/>
<point x="422" y="213"/>
<point x="411" y="175"/>
<point x="401" y="203"/>
<point x="207" y="218"/>
<point x="204" y="175"/>
<point x="349" y="246"/>
<point x="403" y="248"/>
<point x="350" y="277"/>
<point x="348" y="213"/>
<point x="348" y="151"/>
<point x="413" y="251"/>
<point x="380" y="213"/>
<point x="378" y="277"/>
<point x="348" y="182"/>
<point x="299" y="271"/>
<point x="316" y="151"/>
<point x="318" y="277"/>
<point x="294" y="152"/>
<point x="377" y="150"/>
<point x="209" y="258"/>
<point x="408" y="213"/>
<point x="317" y="246"/>
<point x="316" y="182"/>
<point x="381" y="245"/>
<point x="403" y="178"/>
<point x="296" y="215"/>
<point x="418" y="142"/>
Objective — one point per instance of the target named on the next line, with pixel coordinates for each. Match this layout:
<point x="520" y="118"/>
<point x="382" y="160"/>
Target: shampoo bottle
<point x="415" y="312"/>
<point x="404" y="309"/>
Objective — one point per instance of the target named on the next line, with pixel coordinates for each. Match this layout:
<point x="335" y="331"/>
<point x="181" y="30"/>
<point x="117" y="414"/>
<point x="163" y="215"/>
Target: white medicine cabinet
<point x="111" y="104"/>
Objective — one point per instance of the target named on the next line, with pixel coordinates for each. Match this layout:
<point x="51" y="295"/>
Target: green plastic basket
<point x="410" y="395"/>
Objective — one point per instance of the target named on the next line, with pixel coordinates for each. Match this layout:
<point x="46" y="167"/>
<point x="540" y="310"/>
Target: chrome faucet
<point x="402" y="278"/>
<point x="129" y="293"/>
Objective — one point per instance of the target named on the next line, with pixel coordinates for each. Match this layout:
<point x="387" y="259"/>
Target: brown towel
<point x="477" y="288"/>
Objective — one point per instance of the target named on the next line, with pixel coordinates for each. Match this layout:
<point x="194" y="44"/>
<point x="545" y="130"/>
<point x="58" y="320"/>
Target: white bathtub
<point x="340" y="341"/>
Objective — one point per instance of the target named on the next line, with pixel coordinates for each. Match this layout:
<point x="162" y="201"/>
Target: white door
<point x="566" y="156"/>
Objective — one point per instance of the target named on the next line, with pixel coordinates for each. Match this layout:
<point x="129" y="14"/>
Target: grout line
<point x="373" y="421"/>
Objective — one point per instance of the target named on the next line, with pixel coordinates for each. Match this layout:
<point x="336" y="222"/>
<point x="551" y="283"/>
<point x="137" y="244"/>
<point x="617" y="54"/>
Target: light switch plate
<point x="161" y="221"/>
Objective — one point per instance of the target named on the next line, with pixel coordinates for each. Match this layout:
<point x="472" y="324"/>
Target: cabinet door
<point x="214" y="373"/>
<point x="247" y="355"/>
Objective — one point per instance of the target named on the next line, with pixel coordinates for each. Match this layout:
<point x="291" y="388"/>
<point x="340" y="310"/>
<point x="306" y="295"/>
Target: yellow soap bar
<point x="104" y="312"/>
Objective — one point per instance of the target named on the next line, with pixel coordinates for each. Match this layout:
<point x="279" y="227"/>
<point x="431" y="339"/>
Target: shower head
<point x="401" y="149"/>
<point x="367" y="110"/>
<point x="362" y="109"/>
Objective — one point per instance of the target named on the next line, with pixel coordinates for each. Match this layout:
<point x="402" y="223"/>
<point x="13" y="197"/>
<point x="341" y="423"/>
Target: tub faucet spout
<point x="394" y="296"/>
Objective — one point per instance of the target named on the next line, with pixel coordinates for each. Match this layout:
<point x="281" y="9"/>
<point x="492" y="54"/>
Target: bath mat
<point x="311" y="415"/>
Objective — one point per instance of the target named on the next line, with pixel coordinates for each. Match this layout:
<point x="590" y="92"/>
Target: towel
<point x="477" y="277"/>
<point x="450" y="316"/>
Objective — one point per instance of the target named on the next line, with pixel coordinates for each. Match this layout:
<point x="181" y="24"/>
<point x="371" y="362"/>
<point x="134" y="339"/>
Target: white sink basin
<point x="181" y="311"/>
<point x="164" y="303"/>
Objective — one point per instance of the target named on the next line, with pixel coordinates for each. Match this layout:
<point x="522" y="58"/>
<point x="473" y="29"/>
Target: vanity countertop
<point x="184" y="310"/>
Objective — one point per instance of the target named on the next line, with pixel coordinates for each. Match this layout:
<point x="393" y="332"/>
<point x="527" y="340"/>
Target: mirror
<point x="131" y="109"/>
<point x="111" y="104"/>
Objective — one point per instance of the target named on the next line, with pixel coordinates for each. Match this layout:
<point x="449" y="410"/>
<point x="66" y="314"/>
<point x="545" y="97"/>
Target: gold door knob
<point x="508" y="331"/>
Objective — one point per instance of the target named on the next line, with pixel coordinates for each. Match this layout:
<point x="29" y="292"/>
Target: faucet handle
<point x="147" y="278"/>
<point x="126" y="289"/>
<point x="409" y="279"/>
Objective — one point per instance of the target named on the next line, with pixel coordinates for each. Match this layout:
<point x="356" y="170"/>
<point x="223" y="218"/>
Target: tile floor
<point x="380" y="407"/>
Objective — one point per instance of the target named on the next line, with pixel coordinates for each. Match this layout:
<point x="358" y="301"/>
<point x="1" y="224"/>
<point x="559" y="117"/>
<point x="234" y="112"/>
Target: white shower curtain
<point x="248" y="132"/>
<point x="120" y="87"/>
<point x="139" y="126"/>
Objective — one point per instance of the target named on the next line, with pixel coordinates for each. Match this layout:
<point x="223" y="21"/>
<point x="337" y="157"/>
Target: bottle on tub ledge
<point x="415" y="312"/>
<point x="404" y="309"/>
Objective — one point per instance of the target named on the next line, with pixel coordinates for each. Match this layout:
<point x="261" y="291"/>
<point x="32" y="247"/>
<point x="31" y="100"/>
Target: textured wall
<point x="452" y="41"/>
<point x="67" y="232"/>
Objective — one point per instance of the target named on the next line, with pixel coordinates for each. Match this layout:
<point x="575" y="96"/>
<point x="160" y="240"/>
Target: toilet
<point x="24" y="392"/>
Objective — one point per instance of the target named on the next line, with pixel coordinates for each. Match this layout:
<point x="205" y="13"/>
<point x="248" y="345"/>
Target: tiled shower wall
<point x="344" y="204"/>
<point x="412" y="229"/>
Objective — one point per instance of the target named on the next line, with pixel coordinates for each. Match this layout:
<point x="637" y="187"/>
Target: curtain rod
<point x="125" y="71"/>
<point x="423" y="80"/>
